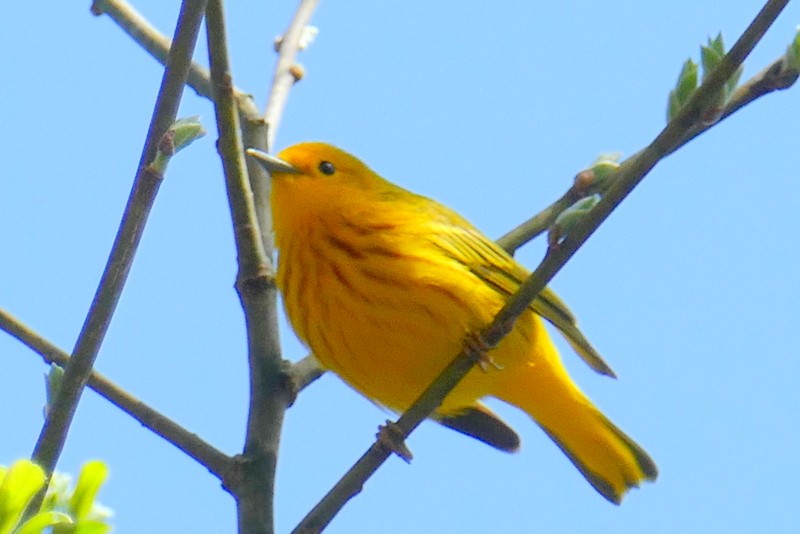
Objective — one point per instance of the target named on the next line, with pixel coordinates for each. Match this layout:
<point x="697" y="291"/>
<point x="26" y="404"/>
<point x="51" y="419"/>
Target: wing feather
<point x="496" y="268"/>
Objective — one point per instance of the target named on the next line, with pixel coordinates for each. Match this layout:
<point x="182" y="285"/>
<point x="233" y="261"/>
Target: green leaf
<point x="43" y="520"/>
<point x="20" y="484"/>
<point x="92" y="526"/>
<point x="92" y="476"/>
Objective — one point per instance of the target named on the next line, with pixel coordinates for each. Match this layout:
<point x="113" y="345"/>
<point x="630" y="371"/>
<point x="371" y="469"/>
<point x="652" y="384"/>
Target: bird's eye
<point x="326" y="167"/>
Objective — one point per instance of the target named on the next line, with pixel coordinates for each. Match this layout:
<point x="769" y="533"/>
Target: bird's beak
<point x="271" y="163"/>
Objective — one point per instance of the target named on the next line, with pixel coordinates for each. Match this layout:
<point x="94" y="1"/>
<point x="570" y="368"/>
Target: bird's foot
<point x="392" y="439"/>
<point x="478" y="350"/>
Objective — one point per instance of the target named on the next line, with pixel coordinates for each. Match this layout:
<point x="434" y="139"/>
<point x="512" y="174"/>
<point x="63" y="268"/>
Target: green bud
<point x="717" y="44"/>
<point x="187" y="131"/>
<point x="791" y="61"/>
<point x="687" y="81"/>
<point x="181" y="134"/>
<point x="567" y="219"/>
<point x="52" y="381"/>
<point x="684" y="88"/>
<point x="604" y="169"/>
<point x="673" y="105"/>
<point x="710" y="58"/>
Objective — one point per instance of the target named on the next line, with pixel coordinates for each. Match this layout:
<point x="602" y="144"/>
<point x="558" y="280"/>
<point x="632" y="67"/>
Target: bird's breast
<point x="376" y="304"/>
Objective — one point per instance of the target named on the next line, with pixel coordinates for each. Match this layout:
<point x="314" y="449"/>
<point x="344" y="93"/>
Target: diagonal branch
<point x="206" y="455"/>
<point x="54" y="432"/>
<point x="629" y="175"/>
<point x="149" y="38"/>
<point x="157" y="45"/>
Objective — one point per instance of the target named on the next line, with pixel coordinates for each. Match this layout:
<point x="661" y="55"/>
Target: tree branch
<point x="157" y="45"/>
<point x="286" y="69"/>
<point x="253" y="485"/>
<point x="259" y="132"/>
<point x="54" y="432"/>
<point x="206" y="455"/>
<point x="629" y="175"/>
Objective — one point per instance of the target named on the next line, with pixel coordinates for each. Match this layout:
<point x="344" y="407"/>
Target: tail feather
<point x="610" y="460"/>
<point x="645" y="467"/>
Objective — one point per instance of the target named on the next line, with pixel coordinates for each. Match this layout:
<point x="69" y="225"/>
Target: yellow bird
<point x="384" y="285"/>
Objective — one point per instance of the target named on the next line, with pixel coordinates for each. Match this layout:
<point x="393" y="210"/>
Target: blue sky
<point x="689" y="290"/>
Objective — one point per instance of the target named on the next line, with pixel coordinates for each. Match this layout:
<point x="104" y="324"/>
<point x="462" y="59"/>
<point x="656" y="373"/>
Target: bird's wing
<point x="499" y="270"/>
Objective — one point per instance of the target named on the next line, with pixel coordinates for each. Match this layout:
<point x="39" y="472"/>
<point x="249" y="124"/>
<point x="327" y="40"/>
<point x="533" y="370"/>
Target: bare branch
<point x="253" y="484"/>
<point x="629" y="175"/>
<point x="259" y="132"/>
<point x="54" y="433"/>
<point x="157" y="45"/>
<point x="286" y="69"/>
<point x="148" y="37"/>
<point x="206" y="455"/>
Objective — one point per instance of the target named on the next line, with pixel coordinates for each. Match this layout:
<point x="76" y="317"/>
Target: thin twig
<point x="206" y="455"/>
<point x="148" y="37"/>
<point x="54" y="432"/>
<point x="259" y="131"/>
<point x="286" y="69"/>
<point x="537" y="224"/>
<point x="776" y="77"/>
<point x="629" y="175"/>
<point x="157" y="45"/>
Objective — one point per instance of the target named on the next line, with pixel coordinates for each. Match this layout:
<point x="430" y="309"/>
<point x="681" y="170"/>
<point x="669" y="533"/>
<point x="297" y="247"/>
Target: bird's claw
<point x="478" y="350"/>
<point x="392" y="439"/>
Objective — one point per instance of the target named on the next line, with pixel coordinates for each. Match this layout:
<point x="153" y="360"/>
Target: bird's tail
<point x="610" y="460"/>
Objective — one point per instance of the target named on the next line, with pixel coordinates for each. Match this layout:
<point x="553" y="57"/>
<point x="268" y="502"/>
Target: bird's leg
<point x="392" y="439"/>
